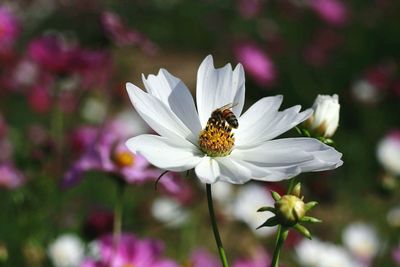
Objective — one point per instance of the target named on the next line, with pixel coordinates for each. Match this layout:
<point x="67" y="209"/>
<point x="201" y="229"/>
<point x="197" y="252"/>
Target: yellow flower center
<point x="216" y="139"/>
<point x="128" y="265"/>
<point x="124" y="159"/>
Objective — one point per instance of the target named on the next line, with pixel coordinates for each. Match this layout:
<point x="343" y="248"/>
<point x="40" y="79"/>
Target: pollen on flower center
<point x="216" y="139"/>
<point x="124" y="159"/>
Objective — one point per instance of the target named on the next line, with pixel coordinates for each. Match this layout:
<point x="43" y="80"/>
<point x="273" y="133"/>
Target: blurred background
<point x="65" y="114"/>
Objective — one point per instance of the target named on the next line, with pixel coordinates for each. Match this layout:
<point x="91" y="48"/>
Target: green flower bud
<point x="289" y="209"/>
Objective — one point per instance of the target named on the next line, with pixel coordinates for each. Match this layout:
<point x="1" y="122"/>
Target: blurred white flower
<point x="66" y="251"/>
<point x="315" y="253"/>
<point x="393" y="217"/>
<point x="365" y="92"/>
<point x="129" y="123"/>
<point x="388" y="152"/>
<point x="169" y="211"/>
<point x="248" y="200"/>
<point x="222" y="192"/>
<point x="362" y="240"/>
<point x="94" y="110"/>
<point x="325" y="119"/>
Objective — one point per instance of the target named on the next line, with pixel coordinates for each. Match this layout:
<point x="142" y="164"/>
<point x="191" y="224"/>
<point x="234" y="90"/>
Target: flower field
<point x="174" y="133"/>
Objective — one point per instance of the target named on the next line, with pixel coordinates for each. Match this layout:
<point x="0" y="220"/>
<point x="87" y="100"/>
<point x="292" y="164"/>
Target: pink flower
<point x="260" y="259"/>
<point x="256" y="63"/>
<point x="39" y="98"/>
<point x="119" y="33"/>
<point x="129" y="251"/>
<point x="52" y="53"/>
<point x="333" y="12"/>
<point x="108" y="153"/>
<point x="10" y="177"/>
<point x="203" y="258"/>
<point x="9" y="29"/>
<point x="396" y="255"/>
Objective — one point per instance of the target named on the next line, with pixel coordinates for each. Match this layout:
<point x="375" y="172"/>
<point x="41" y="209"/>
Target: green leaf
<point x="273" y="221"/>
<point x="266" y="208"/>
<point x="302" y="230"/>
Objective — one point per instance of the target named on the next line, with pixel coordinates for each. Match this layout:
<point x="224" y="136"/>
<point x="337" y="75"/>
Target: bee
<point x="225" y="113"/>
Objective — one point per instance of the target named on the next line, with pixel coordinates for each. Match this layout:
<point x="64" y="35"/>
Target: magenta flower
<point x="10" y="177"/>
<point x="396" y="255"/>
<point x="333" y="12"/>
<point x="256" y="63"/>
<point x="108" y="153"/>
<point x="259" y="259"/>
<point x="121" y="35"/>
<point x="9" y="29"/>
<point x="129" y="251"/>
<point x="203" y="258"/>
<point x="52" y="53"/>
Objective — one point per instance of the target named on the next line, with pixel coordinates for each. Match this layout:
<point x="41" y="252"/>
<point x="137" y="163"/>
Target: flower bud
<point x="289" y="209"/>
<point x="325" y="118"/>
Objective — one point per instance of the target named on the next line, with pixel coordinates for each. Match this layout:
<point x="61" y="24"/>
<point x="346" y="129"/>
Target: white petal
<point x="232" y="171"/>
<point x="208" y="170"/>
<point x="174" y="94"/>
<point x="218" y="87"/>
<point x="159" y="116"/>
<point x="263" y="121"/>
<point x="164" y="153"/>
<point x="284" y="158"/>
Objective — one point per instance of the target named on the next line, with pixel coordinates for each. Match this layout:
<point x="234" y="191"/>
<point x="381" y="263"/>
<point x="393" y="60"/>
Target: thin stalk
<point x="280" y="240"/>
<point x="118" y="207"/>
<point x="221" y="250"/>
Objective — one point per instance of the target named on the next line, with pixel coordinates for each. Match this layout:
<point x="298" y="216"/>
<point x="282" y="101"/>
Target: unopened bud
<point x="325" y="119"/>
<point x="289" y="209"/>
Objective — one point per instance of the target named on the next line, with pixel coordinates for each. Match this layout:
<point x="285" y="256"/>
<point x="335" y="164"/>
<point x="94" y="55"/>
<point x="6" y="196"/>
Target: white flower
<point x="66" y="251"/>
<point x="315" y="253"/>
<point x="365" y="92"/>
<point x="169" y="211"/>
<point x="222" y="192"/>
<point x="325" y="119"/>
<point x="189" y="140"/>
<point x="361" y="240"/>
<point x="94" y="110"/>
<point x="388" y="152"/>
<point x="249" y="199"/>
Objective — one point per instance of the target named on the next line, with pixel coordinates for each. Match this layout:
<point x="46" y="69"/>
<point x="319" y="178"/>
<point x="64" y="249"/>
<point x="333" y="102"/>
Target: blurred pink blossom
<point x="334" y="12"/>
<point x="9" y="29"/>
<point x="10" y="177"/>
<point x="321" y="47"/>
<point x="260" y="258"/>
<point x="396" y="255"/>
<point x="121" y="35"/>
<point x="256" y="63"/>
<point x="203" y="258"/>
<point x="129" y="251"/>
<point x="39" y="98"/>
<point x="108" y="153"/>
<point x="249" y="8"/>
<point x="52" y="53"/>
<point x="98" y="223"/>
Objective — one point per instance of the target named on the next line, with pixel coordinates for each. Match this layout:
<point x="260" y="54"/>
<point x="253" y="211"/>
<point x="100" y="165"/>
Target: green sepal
<point x="296" y="191"/>
<point x="273" y="221"/>
<point x="275" y="195"/>
<point x="308" y="206"/>
<point x="309" y="219"/>
<point x="266" y="208"/>
<point x="302" y="230"/>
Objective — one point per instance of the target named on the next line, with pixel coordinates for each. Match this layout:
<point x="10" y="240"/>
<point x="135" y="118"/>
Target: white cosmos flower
<point x="185" y="141"/>
<point x="362" y="240"/>
<point x="66" y="251"/>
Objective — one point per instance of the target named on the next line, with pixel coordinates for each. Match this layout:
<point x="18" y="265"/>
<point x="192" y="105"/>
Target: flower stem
<point x="118" y="211"/>
<point x="280" y="240"/>
<point x="221" y="250"/>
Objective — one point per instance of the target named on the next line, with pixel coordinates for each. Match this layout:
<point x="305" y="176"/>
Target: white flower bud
<point x="325" y="118"/>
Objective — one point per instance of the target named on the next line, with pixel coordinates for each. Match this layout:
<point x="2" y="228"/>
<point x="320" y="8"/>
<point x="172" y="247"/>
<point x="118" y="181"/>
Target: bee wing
<point x="227" y="106"/>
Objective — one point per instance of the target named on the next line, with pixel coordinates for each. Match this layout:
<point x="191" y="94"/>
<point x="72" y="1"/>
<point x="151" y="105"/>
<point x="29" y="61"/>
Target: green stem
<point x="221" y="250"/>
<point x="280" y="240"/>
<point x="118" y="211"/>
